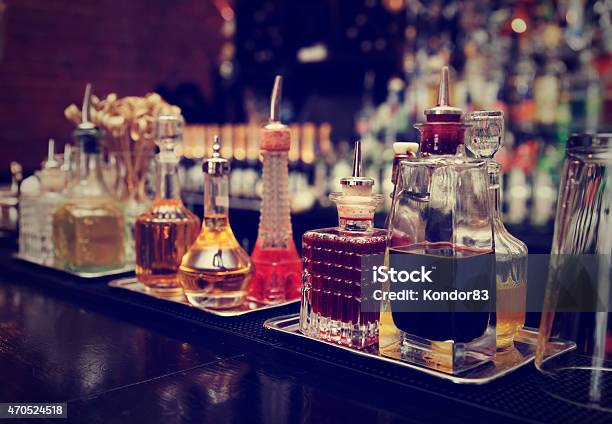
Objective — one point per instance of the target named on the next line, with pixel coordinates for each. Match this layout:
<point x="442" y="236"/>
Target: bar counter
<point x="116" y="358"/>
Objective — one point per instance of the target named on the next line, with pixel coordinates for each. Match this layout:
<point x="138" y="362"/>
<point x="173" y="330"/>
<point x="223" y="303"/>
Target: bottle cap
<point x="216" y="165"/>
<point x="485" y="134"/>
<point x="87" y="134"/>
<point x="443" y="106"/>
<point x="357" y="184"/>
<point x="52" y="179"/>
<point x="168" y="136"/>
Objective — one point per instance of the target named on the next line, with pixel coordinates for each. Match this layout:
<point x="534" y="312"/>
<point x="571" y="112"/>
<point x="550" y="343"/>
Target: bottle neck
<point x="494" y="189"/>
<point x="168" y="186"/>
<point x="89" y="166"/>
<point x="356" y="224"/>
<point x="356" y="213"/>
<point x="216" y="201"/>
<point x="275" y="219"/>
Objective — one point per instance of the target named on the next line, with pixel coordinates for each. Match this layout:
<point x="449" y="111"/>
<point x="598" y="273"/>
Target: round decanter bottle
<point x="165" y="232"/>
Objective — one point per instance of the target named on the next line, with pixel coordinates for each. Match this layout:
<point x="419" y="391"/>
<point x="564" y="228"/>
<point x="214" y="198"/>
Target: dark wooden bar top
<point x="115" y="363"/>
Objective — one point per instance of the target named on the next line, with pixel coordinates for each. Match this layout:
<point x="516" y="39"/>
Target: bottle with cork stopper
<point x="278" y="267"/>
<point x="333" y="292"/>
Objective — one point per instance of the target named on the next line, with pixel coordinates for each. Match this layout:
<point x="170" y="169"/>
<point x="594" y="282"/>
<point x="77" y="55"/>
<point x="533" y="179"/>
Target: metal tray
<point x="502" y="364"/>
<point x="89" y="275"/>
<point x="247" y="308"/>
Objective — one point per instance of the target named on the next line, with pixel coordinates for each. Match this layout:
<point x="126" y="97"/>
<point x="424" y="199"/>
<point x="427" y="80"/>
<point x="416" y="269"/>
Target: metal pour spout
<point x="443" y="93"/>
<point x="357" y="179"/>
<point x="275" y="100"/>
<point x="86" y="103"/>
<point x="443" y="107"/>
<point x="357" y="162"/>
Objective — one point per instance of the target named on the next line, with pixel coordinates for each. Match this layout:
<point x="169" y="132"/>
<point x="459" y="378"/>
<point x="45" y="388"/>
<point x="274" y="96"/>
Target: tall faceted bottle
<point x="88" y="228"/>
<point x="278" y="267"/>
<point x="215" y="271"/>
<point x="337" y="266"/>
<point x="165" y="232"/>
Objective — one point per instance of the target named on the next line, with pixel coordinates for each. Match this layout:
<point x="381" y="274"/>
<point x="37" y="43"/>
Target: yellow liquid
<point x="511" y="298"/>
<point x="215" y="272"/>
<point x="88" y="236"/>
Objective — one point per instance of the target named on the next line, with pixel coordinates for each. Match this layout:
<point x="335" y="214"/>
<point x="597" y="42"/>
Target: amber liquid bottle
<point x="165" y="232"/>
<point x="214" y="273"/>
<point x="88" y="227"/>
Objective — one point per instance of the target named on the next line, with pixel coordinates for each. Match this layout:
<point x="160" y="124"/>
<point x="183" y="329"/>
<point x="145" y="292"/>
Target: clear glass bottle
<point x="441" y="221"/>
<point x="29" y="227"/>
<point x="88" y="227"/>
<point x="485" y="137"/>
<point x="441" y="224"/>
<point x="278" y="267"/>
<point x="215" y="271"/>
<point x="52" y="180"/>
<point x="165" y="232"/>
<point x="510" y="269"/>
<point x="334" y="259"/>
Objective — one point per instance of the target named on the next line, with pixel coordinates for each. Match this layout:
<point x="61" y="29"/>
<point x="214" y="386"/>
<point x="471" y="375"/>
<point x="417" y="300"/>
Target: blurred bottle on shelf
<point x="251" y="173"/>
<point x="239" y="163"/>
<point x="586" y="95"/>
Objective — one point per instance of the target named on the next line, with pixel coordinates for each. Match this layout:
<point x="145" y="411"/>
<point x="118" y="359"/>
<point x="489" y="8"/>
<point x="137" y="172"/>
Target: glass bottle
<point x="278" y="267"/>
<point x="510" y="269"/>
<point x="215" y="271"/>
<point x="39" y="196"/>
<point x="334" y="258"/>
<point x="441" y="221"/>
<point x="29" y="227"/>
<point x="165" y="232"/>
<point x="577" y="308"/>
<point x="485" y="137"/>
<point x="441" y="225"/>
<point x="52" y="180"/>
<point x="88" y="227"/>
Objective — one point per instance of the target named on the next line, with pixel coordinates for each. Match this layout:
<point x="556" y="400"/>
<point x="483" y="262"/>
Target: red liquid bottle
<point x="334" y="258"/>
<point x="278" y="267"/>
